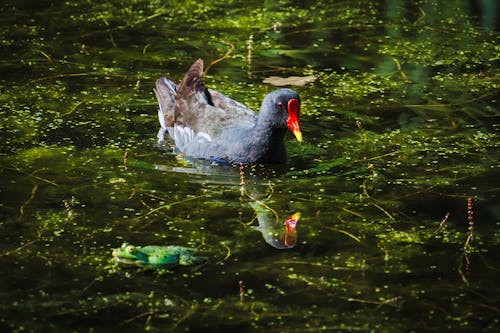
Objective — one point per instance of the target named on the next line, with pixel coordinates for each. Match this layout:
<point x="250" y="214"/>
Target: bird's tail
<point x="165" y="92"/>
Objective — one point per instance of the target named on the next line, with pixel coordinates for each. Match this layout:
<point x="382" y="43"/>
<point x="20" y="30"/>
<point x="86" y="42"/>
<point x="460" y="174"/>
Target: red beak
<point x="293" y="118"/>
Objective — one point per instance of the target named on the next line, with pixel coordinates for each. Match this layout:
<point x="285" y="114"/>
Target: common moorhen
<point x="206" y="124"/>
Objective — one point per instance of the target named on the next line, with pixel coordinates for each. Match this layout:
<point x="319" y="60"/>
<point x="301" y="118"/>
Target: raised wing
<point x="208" y="111"/>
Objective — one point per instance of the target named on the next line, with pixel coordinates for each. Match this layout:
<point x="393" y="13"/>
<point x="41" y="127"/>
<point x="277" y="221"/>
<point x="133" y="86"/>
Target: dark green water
<point x="400" y="126"/>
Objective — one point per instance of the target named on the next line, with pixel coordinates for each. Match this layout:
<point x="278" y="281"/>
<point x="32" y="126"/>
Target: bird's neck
<point x="268" y="144"/>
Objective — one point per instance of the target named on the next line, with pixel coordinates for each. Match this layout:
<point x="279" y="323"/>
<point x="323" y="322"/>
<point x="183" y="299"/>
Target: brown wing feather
<point x="186" y="94"/>
<point x="206" y="110"/>
<point x="193" y="79"/>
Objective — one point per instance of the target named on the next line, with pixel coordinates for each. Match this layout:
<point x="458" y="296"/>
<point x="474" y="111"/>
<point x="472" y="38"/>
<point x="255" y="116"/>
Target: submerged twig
<point x="226" y="55"/>
<point x="27" y="202"/>
<point x="228" y="251"/>
<point x="464" y="267"/>
<point x="17" y="249"/>
<point x="382" y="209"/>
<point x="73" y="108"/>
<point x="187" y="313"/>
<point x="159" y="208"/>
<point x="400" y="69"/>
<point x="45" y="55"/>
<point x="33" y="175"/>
<point x="134" y="191"/>
<point x="167" y="206"/>
<point x="110" y="34"/>
<point x="346" y="233"/>
<point x="57" y="76"/>
<point x="393" y="301"/>
<point x="140" y="315"/>
<point x="443" y="222"/>
<point x="352" y="212"/>
<point x="489" y="307"/>
<point x="372" y="201"/>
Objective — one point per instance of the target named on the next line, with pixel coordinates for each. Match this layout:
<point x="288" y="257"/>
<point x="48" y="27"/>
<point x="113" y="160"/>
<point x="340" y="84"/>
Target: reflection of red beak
<point x="290" y="230"/>
<point x="291" y="221"/>
<point x="293" y="118"/>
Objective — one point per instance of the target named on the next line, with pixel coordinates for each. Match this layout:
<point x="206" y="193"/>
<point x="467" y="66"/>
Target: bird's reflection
<point x="254" y="184"/>
<point x="280" y="234"/>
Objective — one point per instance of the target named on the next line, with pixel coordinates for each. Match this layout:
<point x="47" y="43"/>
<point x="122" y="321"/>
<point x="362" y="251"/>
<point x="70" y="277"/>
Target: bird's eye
<point x="130" y="249"/>
<point x="279" y="105"/>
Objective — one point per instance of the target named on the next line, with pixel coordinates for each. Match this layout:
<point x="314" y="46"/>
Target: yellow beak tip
<point x="298" y="135"/>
